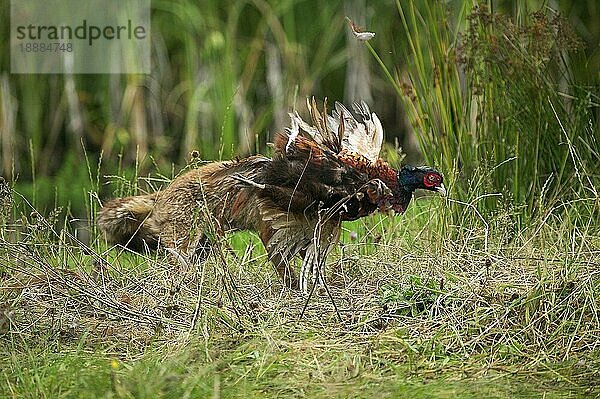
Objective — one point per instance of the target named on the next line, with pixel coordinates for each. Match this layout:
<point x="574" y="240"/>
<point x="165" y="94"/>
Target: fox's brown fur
<point x="283" y="211"/>
<point x="168" y="216"/>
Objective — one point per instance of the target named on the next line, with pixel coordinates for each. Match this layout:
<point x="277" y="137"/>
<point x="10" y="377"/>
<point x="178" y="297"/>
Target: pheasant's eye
<point x="432" y="180"/>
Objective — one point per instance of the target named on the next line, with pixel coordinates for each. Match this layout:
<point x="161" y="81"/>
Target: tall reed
<point x="494" y="103"/>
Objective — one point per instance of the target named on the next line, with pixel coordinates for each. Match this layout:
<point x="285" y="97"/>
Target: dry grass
<point x="430" y="308"/>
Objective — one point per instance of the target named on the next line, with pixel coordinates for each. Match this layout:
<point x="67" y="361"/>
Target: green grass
<point x="285" y="366"/>
<point x="496" y="103"/>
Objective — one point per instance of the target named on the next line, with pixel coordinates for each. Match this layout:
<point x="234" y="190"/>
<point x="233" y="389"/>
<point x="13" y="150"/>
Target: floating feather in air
<point x="359" y="33"/>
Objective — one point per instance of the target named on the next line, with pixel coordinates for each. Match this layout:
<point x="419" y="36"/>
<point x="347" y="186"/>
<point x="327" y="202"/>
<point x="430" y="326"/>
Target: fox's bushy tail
<point x="128" y="222"/>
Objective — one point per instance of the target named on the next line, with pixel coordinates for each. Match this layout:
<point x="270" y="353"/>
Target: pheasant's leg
<point x="305" y="269"/>
<point x="313" y="268"/>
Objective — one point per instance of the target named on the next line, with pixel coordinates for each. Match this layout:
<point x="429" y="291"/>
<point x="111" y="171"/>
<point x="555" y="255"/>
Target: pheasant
<point x="319" y="175"/>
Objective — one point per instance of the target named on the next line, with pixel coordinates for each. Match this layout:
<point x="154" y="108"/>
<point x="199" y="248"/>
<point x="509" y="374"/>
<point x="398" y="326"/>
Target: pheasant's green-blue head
<point x="411" y="178"/>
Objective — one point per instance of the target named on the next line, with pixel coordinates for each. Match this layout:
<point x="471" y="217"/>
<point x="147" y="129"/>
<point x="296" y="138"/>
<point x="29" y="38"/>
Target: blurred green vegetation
<point x="503" y="97"/>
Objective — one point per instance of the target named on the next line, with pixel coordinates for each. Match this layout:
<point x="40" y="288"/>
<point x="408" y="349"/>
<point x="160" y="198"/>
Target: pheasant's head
<point x="411" y="178"/>
<point x="408" y="179"/>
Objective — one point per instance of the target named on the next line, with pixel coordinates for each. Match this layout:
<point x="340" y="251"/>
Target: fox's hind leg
<point x="201" y="248"/>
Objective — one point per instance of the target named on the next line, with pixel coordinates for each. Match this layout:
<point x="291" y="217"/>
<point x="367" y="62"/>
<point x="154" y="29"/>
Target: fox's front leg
<point x="284" y="270"/>
<point x="280" y="258"/>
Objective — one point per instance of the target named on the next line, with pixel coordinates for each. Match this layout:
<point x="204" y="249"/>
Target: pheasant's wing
<point x="316" y="162"/>
<point x="313" y="164"/>
<point x="320" y="130"/>
<point x="364" y="136"/>
<point x="341" y="130"/>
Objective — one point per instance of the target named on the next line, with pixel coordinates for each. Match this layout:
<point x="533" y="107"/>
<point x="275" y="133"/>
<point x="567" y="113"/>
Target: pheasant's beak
<point x="441" y="190"/>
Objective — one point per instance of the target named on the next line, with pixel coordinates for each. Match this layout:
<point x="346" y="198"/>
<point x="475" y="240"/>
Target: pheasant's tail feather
<point x="312" y="239"/>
